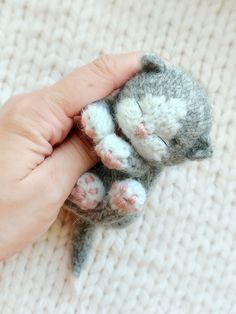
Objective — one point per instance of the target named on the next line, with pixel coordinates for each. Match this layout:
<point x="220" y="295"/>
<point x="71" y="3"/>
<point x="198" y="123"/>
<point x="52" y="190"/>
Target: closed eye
<point x="139" y="106"/>
<point x="157" y="135"/>
<point x="162" y="140"/>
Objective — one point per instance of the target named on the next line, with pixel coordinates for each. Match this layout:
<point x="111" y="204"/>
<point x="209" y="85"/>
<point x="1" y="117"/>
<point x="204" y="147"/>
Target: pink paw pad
<point x="89" y="179"/>
<point x="123" y="188"/>
<point x="107" y="159"/>
<point x="120" y="202"/>
<point x="93" y="191"/>
<point x="141" y="131"/>
<point x="108" y="156"/>
<point x="127" y="196"/>
<point x="78" y="193"/>
<point x="90" y="132"/>
<point x="132" y="199"/>
<point x="88" y="191"/>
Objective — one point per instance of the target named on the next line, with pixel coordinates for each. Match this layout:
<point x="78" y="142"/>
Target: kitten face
<point x="150" y="123"/>
<point x="166" y="130"/>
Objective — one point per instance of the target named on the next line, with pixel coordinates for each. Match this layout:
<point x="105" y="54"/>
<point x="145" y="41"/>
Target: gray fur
<point x="191" y="141"/>
<point x="82" y="240"/>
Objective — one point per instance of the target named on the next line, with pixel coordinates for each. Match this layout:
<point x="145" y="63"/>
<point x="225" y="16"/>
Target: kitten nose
<point x="141" y="131"/>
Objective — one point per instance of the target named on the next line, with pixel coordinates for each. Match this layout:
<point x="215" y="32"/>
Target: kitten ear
<point x="201" y="149"/>
<point x="150" y="62"/>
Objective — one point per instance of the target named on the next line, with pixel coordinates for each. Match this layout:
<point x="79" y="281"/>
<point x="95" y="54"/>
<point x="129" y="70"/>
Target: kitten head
<point x="165" y="114"/>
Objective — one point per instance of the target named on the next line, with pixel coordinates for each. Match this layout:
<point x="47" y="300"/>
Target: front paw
<point x="114" y="152"/>
<point x="127" y="196"/>
<point x="88" y="191"/>
<point x="97" y="121"/>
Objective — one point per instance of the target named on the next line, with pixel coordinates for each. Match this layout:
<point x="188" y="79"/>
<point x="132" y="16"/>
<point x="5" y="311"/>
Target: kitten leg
<point x="116" y="153"/>
<point x="123" y="203"/>
<point x="88" y="192"/>
<point x="97" y="121"/>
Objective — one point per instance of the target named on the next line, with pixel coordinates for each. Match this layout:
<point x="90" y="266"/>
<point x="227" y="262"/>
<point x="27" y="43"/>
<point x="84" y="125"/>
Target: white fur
<point x="129" y="116"/>
<point x="151" y="147"/>
<point x="97" y="184"/>
<point x="98" y="119"/>
<point x="120" y="149"/>
<point x="161" y="118"/>
<point x="133" y="188"/>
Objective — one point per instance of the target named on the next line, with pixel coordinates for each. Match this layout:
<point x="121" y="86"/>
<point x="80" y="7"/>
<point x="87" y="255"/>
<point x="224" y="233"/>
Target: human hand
<point x="41" y="157"/>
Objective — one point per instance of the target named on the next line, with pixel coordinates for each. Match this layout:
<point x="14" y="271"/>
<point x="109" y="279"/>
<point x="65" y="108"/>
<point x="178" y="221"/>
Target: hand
<point x="41" y="157"/>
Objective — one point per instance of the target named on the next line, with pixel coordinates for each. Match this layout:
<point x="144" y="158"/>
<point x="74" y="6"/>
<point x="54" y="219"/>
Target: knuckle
<point x="104" y="66"/>
<point x="13" y="117"/>
<point x="106" y="61"/>
<point x="20" y="104"/>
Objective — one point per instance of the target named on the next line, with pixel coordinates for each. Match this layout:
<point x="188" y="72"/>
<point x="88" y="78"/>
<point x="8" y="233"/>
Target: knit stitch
<point x="180" y="257"/>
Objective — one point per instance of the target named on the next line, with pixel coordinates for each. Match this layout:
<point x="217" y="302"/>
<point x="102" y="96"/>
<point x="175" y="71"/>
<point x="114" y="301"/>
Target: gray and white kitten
<point x="161" y="117"/>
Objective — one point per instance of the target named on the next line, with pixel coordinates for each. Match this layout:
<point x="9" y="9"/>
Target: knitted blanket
<point x="180" y="257"/>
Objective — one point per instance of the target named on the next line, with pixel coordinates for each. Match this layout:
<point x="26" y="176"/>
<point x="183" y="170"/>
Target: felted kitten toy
<point x="160" y="117"/>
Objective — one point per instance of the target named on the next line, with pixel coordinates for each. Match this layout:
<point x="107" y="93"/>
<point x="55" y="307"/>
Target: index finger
<point x="94" y="81"/>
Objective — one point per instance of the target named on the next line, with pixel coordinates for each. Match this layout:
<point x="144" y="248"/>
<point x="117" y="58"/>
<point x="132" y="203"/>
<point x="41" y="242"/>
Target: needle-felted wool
<point x="163" y="118"/>
<point x="180" y="257"/>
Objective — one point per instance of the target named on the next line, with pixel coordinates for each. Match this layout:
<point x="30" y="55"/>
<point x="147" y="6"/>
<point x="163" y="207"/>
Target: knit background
<point x="180" y="257"/>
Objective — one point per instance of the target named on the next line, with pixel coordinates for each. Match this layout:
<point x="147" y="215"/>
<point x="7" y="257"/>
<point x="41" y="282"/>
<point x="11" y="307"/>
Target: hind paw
<point x="127" y="196"/>
<point x="88" y="191"/>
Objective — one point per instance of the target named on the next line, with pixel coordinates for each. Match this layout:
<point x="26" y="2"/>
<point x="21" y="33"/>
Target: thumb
<point x="93" y="81"/>
<point x="68" y="161"/>
<point x="85" y="85"/>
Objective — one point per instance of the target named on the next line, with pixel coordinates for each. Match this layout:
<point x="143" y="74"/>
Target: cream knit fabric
<point x="181" y="257"/>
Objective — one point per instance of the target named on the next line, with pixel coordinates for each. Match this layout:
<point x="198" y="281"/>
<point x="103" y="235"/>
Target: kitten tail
<point x="83" y="235"/>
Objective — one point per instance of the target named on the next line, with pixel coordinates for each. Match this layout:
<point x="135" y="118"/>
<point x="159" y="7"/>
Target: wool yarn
<point x="180" y="258"/>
